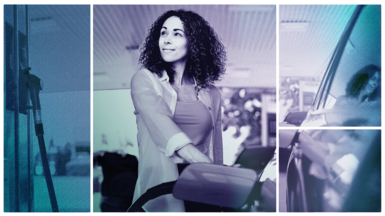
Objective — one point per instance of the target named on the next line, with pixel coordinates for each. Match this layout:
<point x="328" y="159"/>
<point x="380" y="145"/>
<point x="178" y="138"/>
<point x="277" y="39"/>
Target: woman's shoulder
<point x="214" y="91"/>
<point x="212" y="87"/>
<point x="342" y="101"/>
<point x="141" y="77"/>
<point x="143" y="73"/>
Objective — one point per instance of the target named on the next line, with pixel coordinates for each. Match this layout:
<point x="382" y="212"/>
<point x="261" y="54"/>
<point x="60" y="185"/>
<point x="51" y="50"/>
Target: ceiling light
<point x="293" y="26"/>
<point x="256" y="8"/>
<point x="101" y="77"/>
<point x="286" y="68"/>
<point x="43" y="24"/>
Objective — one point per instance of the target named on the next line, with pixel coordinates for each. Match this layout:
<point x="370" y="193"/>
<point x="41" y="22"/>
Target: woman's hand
<point x="312" y="149"/>
<point x="193" y="155"/>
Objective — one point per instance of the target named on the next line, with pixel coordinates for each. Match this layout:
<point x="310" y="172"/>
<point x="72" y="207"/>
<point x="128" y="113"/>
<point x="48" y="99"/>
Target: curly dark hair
<point x="206" y="54"/>
<point x="360" y="79"/>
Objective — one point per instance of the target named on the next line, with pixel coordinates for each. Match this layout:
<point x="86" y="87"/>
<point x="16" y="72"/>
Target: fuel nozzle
<point x="34" y="87"/>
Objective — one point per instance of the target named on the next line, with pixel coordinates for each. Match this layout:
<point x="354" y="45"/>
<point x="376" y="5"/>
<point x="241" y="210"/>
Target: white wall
<point x="114" y="122"/>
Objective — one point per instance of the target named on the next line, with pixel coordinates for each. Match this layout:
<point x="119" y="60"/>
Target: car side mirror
<point x="215" y="184"/>
<point x="296" y="118"/>
<point x="255" y="157"/>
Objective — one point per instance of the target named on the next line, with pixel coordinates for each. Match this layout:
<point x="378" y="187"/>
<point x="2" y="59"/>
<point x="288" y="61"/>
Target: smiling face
<point x="173" y="43"/>
<point x="372" y="83"/>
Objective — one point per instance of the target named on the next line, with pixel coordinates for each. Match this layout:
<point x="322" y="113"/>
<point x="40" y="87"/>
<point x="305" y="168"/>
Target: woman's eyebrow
<point x="176" y="29"/>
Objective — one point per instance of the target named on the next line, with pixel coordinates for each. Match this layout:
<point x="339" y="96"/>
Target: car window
<point x="352" y="99"/>
<point x="363" y="48"/>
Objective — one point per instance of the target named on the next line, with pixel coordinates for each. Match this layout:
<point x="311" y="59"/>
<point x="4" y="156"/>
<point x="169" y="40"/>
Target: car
<point x="358" y="47"/>
<point x="249" y="185"/>
<point x="347" y="180"/>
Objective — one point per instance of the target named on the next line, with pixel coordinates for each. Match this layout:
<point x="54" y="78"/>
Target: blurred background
<point x="54" y="40"/>
<point x="248" y="87"/>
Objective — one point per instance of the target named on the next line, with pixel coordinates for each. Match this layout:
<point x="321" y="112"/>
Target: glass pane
<point x="16" y="127"/>
<point x="60" y="56"/>
<point x="354" y="97"/>
<point x="57" y="48"/>
<point x="363" y="48"/>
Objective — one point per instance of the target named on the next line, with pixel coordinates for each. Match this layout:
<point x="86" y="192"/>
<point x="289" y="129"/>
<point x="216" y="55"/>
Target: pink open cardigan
<point x="159" y="137"/>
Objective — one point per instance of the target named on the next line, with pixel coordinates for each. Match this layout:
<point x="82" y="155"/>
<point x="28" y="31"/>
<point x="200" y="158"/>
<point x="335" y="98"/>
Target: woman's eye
<point x="162" y="33"/>
<point x="177" y="34"/>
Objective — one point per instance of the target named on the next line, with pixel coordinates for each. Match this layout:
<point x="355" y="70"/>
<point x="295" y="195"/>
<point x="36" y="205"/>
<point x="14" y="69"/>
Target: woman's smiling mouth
<point x="168" y="50"/>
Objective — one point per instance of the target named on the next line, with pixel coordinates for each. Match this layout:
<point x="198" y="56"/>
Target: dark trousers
<point x="115" y="203"/>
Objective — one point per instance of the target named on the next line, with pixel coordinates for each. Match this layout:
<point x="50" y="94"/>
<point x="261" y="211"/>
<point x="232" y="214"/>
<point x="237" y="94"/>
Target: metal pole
<point x="16" y="104"/>
<point x="29" y="140"/>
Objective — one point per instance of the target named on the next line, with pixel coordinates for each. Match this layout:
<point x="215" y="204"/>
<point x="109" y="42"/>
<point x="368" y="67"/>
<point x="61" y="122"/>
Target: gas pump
<point x="34" y="86"/>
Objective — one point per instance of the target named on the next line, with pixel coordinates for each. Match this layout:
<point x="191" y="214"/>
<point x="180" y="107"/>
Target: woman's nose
<point x="167" y="39"/>
<point x="374" y="83"/>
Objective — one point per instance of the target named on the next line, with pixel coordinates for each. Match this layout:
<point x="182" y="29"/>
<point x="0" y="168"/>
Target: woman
<point x="361" y="105"/>
<point x="363" y="87"/>
<point x="177" y="107"/>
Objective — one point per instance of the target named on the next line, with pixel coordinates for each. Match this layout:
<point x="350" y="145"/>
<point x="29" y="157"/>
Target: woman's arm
<point x="312" y="149"/>
<point x="193" y="155"/>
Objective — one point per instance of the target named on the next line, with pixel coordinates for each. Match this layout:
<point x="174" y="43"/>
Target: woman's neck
<point x="180" y="77"/>
<point x="362" y="96"/>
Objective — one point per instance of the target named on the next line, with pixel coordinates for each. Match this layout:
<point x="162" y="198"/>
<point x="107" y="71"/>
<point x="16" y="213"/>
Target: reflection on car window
<point x="355" y="89"/>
